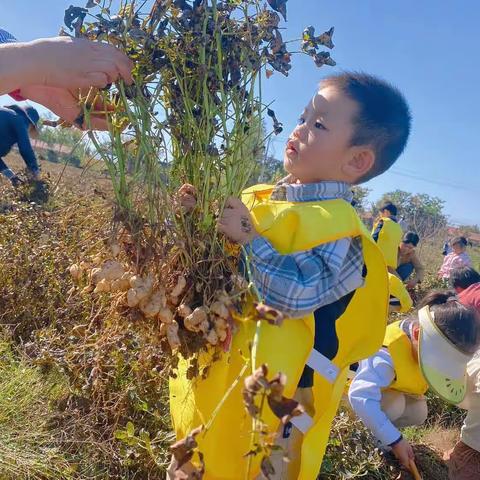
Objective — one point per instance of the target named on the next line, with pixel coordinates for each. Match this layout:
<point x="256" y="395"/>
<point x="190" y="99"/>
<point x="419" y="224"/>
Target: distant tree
<point x="69" y="137"/>
<point x="360" y="197"/>
<point x="421" y="212"/>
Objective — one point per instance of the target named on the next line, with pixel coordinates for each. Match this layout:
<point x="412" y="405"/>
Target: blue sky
<point x="429" y="49"/>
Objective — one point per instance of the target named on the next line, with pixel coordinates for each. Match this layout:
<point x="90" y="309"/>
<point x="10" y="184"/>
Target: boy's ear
<point x="360" y="163"/>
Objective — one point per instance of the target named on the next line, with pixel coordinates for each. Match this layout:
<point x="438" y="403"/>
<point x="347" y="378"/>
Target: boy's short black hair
<point x="390" y="207"/>
<point x="411" y="237"/>
<point x="463" y="277"/>
<point x="383" y="120"/>
<point x="460" y="240"/>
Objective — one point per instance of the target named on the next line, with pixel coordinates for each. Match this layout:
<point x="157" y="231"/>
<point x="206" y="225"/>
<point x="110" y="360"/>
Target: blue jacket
<point x="14" y="125"/>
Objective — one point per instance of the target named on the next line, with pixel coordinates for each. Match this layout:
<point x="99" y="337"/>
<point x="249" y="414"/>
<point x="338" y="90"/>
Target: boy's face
<point x="319" y="147"/>
<point x="406" y="247"/>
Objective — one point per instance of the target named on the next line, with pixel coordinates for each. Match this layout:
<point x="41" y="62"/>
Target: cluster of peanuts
<point x="145" y="294"/>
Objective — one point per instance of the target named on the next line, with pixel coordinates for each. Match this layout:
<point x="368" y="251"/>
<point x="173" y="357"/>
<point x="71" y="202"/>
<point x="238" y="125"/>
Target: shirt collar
<point x="311" y="192"/>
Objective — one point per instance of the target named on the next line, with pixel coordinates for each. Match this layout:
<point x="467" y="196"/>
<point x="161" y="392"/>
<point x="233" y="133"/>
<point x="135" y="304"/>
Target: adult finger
<point x="124" y="66"/>
<point x="96" y="79"/>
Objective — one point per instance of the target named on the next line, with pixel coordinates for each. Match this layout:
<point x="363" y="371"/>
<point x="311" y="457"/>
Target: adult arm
<point x="25" y="146"/>
<point x="419" y="271"/>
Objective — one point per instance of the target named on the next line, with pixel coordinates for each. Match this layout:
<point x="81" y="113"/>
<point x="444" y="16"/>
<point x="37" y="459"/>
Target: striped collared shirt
<point x="299" y="283"/>
<point x="6" y="37"/>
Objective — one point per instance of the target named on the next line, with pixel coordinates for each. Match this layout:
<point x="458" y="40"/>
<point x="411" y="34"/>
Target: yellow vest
<point x="399" y="291"/>
<point x="408" y="374"/>
<point x="291" y="227"/>
<point x="389" y="239"/>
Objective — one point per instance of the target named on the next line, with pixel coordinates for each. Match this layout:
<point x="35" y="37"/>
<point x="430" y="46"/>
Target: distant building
<point x="473" y="238"/>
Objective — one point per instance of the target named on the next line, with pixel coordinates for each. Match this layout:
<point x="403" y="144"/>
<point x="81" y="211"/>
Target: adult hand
<point x="236" y="223"/>
<point x="64" y="103"/>
<point x="71" y="63"/>
<point x="403" y="451"/>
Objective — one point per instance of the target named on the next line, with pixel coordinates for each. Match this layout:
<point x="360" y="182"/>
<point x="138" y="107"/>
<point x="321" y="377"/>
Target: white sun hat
<point x="443" y="365"/>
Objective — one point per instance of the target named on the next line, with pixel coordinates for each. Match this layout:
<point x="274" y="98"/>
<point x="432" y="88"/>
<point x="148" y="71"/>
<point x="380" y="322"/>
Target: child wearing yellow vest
<point x="432" y="350"/>
<point x="307" y="252"/>
<point x="387" y="232"/>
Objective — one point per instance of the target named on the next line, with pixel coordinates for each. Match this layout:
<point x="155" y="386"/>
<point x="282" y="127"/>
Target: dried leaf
<point x="286" y="408"/>
<point x="279" y="6"/>
<point x="188" y="471"/>
<point x="267" y="467"/>
<point x="270" y="314"/>
<point x="183" y="450"/>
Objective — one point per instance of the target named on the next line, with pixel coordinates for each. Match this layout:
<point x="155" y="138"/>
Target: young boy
<point x="308" y="252"/>
<point x="388" y="390"/>
<point x="17" y="125"/>
<point x="387" y="232"/>
<point x="408" y="261"/>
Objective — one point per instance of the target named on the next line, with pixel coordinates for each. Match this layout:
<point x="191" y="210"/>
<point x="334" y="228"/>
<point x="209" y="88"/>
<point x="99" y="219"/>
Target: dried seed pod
<point x="132" y="298"/>
<point x="193" y="321"/>
<point x="172" y="335"/>
<point x="151" y="305"/>
<point x="103" y="286"/>
<point x="204" y="326"/>
<point x="75" y="271"/>
<point x="120" y="285"/>
<point x="184" y="310"/>
<point x="224" y="297"/>
<point x="110" y="270"/>
<point x="179" y="287"/>
<point x="115" y="249"/>
<point x="163" y="329"/>
<point x="220" y="309"/>
<point x="173" y="300"/>
<point x="165" y="315"/>
<point x="211" y="337"/>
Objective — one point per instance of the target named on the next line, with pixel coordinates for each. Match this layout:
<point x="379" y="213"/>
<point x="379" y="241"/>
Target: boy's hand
<point x="403" y="451"/>
<point x="187" y="197"/>
<point x="71" y="63"/>
<point x="236" y="223"/>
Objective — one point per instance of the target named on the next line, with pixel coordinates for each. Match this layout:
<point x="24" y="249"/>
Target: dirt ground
<point x="82" y="180"/>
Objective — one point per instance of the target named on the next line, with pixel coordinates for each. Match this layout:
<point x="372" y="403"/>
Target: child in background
<point x="457" y="258"/>
<point x="408" y="260"/>
<point x="466" y="282"/>
<point x="432" y="350"/>
<point x="388" y="234"/>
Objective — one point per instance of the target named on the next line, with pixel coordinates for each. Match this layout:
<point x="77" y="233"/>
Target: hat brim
<point x="443" y="365"/>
